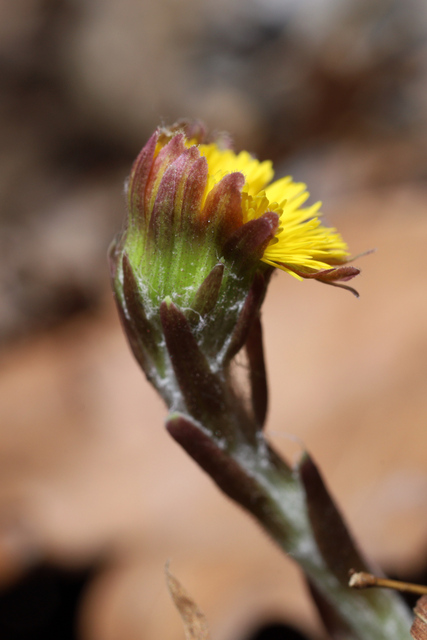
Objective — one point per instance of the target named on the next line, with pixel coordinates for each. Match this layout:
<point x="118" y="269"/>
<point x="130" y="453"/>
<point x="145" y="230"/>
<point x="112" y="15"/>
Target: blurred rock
<point x="132" y="64"/>
<point x="288" y="71"/>
<point x="54" y="260"/>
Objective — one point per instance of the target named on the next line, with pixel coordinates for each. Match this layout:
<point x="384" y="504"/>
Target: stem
<point x="381" y="615"/>
<point x="224" y="436"/>
<point x="281" y="500"/>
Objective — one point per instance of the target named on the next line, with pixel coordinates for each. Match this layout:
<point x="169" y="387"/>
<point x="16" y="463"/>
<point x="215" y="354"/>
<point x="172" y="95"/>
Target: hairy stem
<point x="295" y="508"/>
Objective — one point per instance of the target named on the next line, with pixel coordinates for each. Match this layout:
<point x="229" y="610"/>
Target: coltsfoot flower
<point x="206" y="227"/>
<point x="301" y="245"/>
<point x="187" y="196"/>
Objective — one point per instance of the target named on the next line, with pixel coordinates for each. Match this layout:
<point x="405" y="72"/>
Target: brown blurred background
<point x="94" y="496"/>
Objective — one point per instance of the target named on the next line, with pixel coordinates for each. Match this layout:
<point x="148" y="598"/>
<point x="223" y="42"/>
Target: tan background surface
<point x="87" y="472"/>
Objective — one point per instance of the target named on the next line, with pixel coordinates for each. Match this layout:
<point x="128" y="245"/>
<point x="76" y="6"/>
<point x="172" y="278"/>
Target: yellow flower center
<point x="301" y="241"/>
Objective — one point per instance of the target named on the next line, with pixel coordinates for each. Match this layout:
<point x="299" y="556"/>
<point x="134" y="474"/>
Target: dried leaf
<point x="195" y="624"/>
<point x="419" y="627"/>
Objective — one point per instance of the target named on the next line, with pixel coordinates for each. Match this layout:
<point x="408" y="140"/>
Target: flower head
<point x="301" y="245"/>
<point x="203" y="194"/>
<point x="206" y="226"/>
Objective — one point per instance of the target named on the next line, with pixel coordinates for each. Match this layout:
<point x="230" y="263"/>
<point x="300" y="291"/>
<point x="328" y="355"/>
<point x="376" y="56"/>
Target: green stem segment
<point x="295" y="508"/>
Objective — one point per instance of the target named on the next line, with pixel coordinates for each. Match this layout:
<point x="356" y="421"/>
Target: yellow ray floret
<point x="301" y="241"/>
